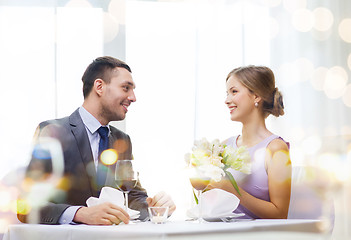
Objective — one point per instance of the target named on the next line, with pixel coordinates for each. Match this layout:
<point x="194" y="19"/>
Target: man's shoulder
<point x="60" y="121"/>
<point x="54" y="121"/>
<point x="118" y="133"/>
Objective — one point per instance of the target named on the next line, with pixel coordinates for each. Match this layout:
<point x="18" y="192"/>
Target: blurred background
<point x="180" y="53"/>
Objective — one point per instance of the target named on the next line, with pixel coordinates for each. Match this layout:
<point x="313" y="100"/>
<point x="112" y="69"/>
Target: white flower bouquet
<point x="214" y="159"/>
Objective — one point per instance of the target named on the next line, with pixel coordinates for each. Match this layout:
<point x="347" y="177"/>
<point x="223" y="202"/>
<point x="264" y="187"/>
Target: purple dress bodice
<point x="255" y="183"/>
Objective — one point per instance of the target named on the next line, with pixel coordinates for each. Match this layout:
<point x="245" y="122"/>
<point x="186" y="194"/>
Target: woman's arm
<point x="278" y="167"/>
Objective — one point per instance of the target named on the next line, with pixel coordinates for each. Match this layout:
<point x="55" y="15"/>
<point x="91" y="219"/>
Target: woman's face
<point x="240" y="100"/>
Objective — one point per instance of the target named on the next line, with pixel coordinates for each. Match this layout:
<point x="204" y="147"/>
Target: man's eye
<point x="126" y="88"/>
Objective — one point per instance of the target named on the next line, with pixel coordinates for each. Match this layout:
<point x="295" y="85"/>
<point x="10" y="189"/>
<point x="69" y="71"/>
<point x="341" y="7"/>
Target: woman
<point x="251" y="98"/>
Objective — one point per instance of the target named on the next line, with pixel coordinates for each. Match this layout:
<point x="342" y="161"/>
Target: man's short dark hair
<point x="100" y="68"/>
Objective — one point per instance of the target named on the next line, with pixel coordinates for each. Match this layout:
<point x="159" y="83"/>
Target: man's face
<point x="117" y="95"/>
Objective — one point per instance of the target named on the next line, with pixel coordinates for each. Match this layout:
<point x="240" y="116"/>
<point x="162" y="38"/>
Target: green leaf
<point x="196" y="200"/>
<point x="225" y="159"/>
<point x="232" y="180"/>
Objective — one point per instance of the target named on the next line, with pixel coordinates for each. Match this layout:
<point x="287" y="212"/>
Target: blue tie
<point x="103" y="145"/>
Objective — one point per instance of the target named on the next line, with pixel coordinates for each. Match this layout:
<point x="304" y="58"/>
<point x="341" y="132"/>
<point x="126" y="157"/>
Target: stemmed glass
<point x="126" y="178"/>
<point x="200" y="182"/>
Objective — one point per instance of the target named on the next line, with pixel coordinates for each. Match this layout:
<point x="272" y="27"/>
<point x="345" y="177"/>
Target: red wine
<point x="126" y="185"/>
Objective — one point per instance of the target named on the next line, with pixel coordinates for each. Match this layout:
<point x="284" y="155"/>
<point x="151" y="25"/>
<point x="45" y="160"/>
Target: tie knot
<point x="103" y="131"/>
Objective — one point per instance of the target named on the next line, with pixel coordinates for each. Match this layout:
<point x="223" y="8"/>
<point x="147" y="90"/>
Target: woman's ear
<point x="257" y="99"/>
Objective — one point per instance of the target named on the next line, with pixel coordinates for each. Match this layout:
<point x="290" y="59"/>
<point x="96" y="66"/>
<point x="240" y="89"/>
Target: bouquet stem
<point x="232" y="180"/>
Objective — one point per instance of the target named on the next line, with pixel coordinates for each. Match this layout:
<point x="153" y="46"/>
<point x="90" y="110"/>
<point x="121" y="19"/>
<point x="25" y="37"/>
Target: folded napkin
<point x="216" y="203"/>
<point x="114" y="196"/>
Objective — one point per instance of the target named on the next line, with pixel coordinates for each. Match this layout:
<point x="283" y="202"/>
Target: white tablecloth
<point x="256" y="229"/>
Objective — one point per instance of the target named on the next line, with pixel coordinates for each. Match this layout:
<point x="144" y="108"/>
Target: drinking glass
<point x="199" y="182"/>
<point x="126" y="178"/>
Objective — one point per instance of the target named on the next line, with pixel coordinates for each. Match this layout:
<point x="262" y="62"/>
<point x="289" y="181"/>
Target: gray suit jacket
<point x="79" y="169"/>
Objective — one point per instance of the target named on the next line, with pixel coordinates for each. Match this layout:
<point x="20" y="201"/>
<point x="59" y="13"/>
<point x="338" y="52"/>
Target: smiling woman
<point x="251" y="97"/>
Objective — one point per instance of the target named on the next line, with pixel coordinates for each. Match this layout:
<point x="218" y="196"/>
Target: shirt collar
<point x="90" y="121"/>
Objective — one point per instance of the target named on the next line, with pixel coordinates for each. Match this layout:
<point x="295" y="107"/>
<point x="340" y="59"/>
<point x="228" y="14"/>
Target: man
<point x="108" y="90"/>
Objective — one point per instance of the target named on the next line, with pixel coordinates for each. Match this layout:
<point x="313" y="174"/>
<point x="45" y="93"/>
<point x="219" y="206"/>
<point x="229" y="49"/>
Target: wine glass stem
<point x="126" y="200"/>
<point x="200" y="206"/>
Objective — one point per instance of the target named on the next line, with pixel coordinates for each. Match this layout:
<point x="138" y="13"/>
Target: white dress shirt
<point x="92" y="125"/>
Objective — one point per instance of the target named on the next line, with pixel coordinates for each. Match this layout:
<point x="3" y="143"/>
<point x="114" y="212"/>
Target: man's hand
<point x="102" y="214"/>
<point x="162" y="199"/>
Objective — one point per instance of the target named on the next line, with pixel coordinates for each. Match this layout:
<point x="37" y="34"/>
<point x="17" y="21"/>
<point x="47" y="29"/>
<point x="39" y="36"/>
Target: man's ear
<point x="98" y="86"/>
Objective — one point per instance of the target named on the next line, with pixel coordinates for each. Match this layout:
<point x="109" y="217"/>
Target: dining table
<point x="232" y="229"/>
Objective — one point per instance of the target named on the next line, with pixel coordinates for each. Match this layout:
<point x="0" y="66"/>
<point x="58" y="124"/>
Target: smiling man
<point x="108" y="90"/>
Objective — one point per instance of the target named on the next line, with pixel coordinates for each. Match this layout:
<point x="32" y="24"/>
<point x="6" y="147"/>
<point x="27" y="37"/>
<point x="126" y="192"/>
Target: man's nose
<point x="132" y="97"/>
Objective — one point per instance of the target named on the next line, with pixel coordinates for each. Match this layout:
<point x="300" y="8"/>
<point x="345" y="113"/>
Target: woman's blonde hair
<point x="260" y="81"/>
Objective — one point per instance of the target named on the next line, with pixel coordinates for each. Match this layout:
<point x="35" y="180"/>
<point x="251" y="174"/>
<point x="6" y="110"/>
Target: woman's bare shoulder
<point x="277" y="145"/>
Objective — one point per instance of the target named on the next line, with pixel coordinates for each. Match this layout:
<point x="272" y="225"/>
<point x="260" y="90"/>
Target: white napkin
<point x="216" y="203"/>
<point x="114" y="196"/>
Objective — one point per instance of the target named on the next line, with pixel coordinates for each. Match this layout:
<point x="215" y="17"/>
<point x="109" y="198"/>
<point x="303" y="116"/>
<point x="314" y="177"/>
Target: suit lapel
<point x="80" y="134"/>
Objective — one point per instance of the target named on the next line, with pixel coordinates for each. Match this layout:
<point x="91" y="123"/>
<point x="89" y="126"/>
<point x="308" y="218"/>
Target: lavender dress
<point x="256" y="183"/>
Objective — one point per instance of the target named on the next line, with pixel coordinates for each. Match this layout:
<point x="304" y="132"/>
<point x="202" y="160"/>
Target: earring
<point x="256" y="104"/>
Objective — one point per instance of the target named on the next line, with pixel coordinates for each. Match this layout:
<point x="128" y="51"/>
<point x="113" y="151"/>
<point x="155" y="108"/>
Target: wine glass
<point x="126" y="178"/>
<point x="199" y="181"/>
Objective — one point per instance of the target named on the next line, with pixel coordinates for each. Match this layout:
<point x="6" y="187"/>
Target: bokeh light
<point x="318" y="78"/>
<point x="109" y="156"/>
<point x="117" y="8"/>
<point x="78" y="3"/>
<point x="121" y="145"/>
<point x="288" y="74"/>
<point x="311" y="145"/>
<point x="303" y="20"/>
<point x="333" y="164"/>
<point x="297" y="134"/>
<point x="346" y="98"/>
<point x="335" y="82"/>
<point x="13" y="206"/>
<point x="5" y="200"/>
<point x="64" y="184"/>
<point x="349" y="61"/>
<point x="344" y="30"/>
<point x="274" y="28"/>
<point x="297" y="156"/>
<point x="271" y="3"/>
<point x="293" y="5"/>
<point x="111" y="27"/>
<point x="323" y="19"/>
<point x="305" y="68"/>
<point x="346" y="130"/>
<point x="331" y="131"/>
<point x="300" y="70"/>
